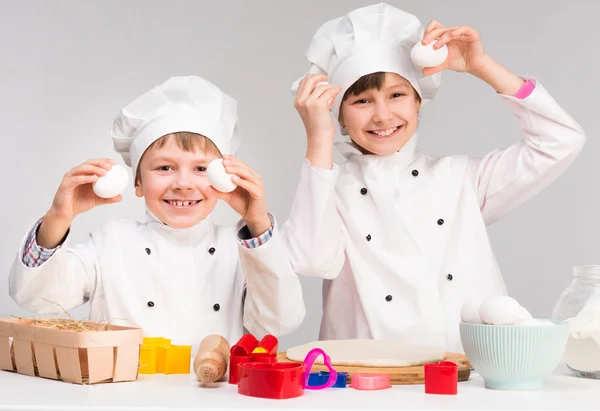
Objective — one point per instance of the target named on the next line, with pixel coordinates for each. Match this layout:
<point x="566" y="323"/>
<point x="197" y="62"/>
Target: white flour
<point x="583" y="347"/>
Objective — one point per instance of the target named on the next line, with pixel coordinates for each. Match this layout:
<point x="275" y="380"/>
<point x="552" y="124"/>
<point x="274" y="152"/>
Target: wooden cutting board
<point x="398" y="375"/>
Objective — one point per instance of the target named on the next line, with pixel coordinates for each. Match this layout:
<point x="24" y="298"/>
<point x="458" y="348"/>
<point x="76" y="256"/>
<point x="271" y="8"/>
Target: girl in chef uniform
<point x="398" y="235"/>
<point x="177" y="274"/>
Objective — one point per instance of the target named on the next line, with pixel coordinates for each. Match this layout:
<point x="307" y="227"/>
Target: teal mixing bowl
<point x="510" y="357"/>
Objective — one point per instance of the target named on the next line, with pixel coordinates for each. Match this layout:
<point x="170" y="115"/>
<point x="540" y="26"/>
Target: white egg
<point x="218" y="177"/>
<point x="523" y="314"/>
<point x="502" y="310"/>
<point x="112" y="183"/>
<point x="324" y="83"/>
<point x="470" y="312"/>
<point x="426" y="56"/>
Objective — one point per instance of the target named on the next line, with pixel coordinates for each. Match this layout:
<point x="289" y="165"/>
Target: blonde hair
<point x="186" y="141"/>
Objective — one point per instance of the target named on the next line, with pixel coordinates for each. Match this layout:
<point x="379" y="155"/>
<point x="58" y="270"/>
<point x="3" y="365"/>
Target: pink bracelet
<point x="525" y="90"/>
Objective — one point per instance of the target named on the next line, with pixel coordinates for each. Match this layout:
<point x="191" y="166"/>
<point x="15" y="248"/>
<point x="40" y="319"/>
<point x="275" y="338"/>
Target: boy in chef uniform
<point x="400" y="236"/>
<point x="176" y="275"/>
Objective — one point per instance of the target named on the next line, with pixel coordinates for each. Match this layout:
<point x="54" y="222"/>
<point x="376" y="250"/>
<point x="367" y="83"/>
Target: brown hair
<point x="186" y="141"/>
<point x="368" y="82"/>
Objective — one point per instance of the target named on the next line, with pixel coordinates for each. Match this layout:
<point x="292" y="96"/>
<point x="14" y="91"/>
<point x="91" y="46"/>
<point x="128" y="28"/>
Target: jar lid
<point x="587" y="271"/>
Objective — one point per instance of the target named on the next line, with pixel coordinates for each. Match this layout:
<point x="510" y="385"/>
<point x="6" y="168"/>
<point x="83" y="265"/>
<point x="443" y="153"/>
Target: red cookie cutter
<point x="249" y="350"/>
<point x="441" y="378"/>
<point x="271" y="380"/>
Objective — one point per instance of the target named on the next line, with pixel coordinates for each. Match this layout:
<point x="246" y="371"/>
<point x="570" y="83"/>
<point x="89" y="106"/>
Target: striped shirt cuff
<point x="255" y="242"/>
<point x="33" y="254"/>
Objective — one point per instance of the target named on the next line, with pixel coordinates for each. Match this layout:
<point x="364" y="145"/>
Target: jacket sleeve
<point x="313" y="234"/>
<point x="35" y="255"/>
<point x="66" y="279"/>
<point x="274" y="303"/>
<point x="505" y="179"/>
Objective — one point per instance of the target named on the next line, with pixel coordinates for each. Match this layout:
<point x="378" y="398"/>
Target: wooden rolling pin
<point x="212" y="359"/>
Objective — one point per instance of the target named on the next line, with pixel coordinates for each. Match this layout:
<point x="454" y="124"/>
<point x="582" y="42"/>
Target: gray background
<point x="68" y="67"/>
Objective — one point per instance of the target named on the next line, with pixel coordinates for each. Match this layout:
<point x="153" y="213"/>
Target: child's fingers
<point x="111" y="200"/>
<point x="319" y="89"/>
<point x="330" y="95"/>
<point x="105" y="163"/>
<point x="210" y="191"/>
<point x="95" y="166"/>
<point x="433" y="24"/>
<point x="300" y="90"/>
<point x="308" y="87"/>
<point x="234" y="161"/>
<point x="430" y="71"/>
<point x="435" y="33"/>
<point x="313" y="80"/>
<point x="452" y="35"/>
<point x="255" y="191"/>
<point x="321" y="93"/>
<point x="87" y="169"/>
<point x="77" y="181"/>
<point x="244" y="173"/>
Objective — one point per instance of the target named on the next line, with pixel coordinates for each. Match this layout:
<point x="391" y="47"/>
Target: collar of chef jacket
<point x="402" y="159"/>
<point x="193" y="234"/>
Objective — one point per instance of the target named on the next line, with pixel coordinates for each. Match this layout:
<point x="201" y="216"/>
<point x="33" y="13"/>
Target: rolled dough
<point x="369" y="353"/>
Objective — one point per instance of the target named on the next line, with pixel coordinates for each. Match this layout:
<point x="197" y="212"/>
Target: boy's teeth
<point x="182" y="203"/>
<point x="385" y="133"/>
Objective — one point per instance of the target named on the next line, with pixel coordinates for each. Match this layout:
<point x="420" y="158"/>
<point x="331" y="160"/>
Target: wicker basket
<point x="101" y="353"/>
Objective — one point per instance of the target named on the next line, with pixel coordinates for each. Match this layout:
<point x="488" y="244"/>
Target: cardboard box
<point x="100" y="353"/>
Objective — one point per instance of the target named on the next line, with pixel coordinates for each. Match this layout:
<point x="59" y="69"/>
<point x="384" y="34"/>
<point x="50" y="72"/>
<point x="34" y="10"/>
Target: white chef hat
<point x="369" y="40"/>
<point x="181" y="104"/>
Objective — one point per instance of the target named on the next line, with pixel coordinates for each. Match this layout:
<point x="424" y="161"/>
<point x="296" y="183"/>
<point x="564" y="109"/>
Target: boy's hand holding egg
<point x="218" y="177"/>
<point x="88" y="185"/>
<point x="112" y="183"/>
<point x="78" y="189"/>
<point x="228" y="173"/>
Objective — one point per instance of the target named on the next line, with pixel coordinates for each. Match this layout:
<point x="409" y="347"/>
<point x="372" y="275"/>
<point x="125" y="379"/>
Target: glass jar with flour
<point x="579" y="305"/>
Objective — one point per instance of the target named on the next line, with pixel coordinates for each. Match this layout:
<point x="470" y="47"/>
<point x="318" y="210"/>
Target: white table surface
<point x="562" y="391"/>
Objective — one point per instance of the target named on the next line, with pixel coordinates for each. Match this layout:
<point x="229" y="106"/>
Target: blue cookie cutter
<point x="321" y="377"/>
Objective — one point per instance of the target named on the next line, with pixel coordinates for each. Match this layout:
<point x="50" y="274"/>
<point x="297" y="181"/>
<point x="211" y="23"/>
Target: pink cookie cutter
<point x="309" y="361"/>
<point x="369" y="382"/>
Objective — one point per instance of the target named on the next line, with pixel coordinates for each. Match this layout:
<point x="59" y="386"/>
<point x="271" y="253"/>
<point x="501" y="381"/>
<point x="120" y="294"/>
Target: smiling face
<point x="172" y="179"/>
<point x="380" y="112"/>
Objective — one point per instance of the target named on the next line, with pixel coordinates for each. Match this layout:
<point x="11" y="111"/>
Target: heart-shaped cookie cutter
<point x="441" y="378"/>
<point x="279" y="380"/>
<point x="309" y="361"/>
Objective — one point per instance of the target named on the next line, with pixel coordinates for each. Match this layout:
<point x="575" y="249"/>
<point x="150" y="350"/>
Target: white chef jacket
<point x="182" y="284"/>
<point x="401" y="239"/>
